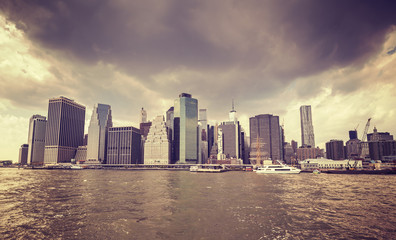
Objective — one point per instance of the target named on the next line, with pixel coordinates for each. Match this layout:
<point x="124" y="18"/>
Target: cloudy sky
<point x="270" y="56"/>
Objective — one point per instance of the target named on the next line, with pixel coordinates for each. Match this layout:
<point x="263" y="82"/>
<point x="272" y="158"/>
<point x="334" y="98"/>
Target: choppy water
<point x="116" y="204"/>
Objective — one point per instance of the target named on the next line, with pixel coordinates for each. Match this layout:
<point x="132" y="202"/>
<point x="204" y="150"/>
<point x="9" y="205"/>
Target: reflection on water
<point x="111" y="204"/>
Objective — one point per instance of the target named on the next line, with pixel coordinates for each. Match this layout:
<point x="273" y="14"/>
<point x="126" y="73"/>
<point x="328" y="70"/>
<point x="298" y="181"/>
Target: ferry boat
<point x="76" y="167"/>
<point x="281" y="169"/>
<point x="207" y="168"/>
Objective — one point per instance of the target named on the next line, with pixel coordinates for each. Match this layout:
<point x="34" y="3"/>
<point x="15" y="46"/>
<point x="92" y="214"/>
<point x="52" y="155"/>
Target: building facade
<point x="101" y="121"/>
<point x="307" y="130"/>
<point x="64" y="130"/>
<point x="157" y="148"/>
<point x="335" y="150"/>
<point x="265" y="138"/>
<point x="36" y="140"/>
<point x="308" y="152"/>
<point x="23" y="154"/>
<point x="185" y="129"/>
<point x="124" y="146"/>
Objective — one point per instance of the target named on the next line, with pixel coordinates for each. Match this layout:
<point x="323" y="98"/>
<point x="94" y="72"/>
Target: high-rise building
<point x="23" y="154"/>
<point x="307" y="131"/>
<point x="185" y="129"/>
<point x="379" y="136"/>
<point x="157" y="146"/>
<point x="36" y="140"/>
<point x="143" y="116"/>
<point x="203" y="151"/>
<point x="64" y="131"/>
<point x="353" y="134"/>
<point x="232" y="139"/>
<point x="265" y="138"/>
<point x="99" y="125"/>
<point x="380" y="149"/>
<point x="169" y="124"/>
<point x="123" y="146"/>
<point x="335" y="150"/>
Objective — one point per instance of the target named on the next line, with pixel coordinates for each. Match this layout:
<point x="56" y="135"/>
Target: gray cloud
<point x="219" y="50"/>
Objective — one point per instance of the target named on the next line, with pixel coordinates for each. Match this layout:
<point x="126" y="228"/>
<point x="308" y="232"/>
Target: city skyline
<point x="270" y="57"/>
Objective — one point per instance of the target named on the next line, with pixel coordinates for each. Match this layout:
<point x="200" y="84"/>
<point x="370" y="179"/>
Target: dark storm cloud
<point x="267" y="44"/>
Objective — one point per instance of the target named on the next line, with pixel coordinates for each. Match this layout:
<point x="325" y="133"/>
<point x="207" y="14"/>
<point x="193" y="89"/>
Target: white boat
<point x="76" y="167"/>
<point x="207" y="168"/>
<point x="281" y="169"/>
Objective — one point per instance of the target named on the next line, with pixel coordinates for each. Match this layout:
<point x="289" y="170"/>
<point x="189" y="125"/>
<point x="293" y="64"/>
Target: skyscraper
<point x="123" y="146"/>
<point x="265" y="138"/>
<point x="36" y="140"/>
<point x="335" y="150"/>
<point x="64" y="131"/>
<point x="307" y="131"/>
<point x="185" y="129"/>
<point x="23" y="154"/>
<point x="101" y="121"/>
<point x="157" y="146"/>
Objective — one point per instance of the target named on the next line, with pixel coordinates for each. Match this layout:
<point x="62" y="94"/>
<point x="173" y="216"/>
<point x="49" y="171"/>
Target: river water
<point x="123" y="204"/>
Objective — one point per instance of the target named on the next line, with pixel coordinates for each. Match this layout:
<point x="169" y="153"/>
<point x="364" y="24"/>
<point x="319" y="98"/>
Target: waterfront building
<point x="288" y="153"/>
<point x="23" y="154"/>
<point x="335" y="150"/>
<point x="36" y="140"/>
<point x="157" y="148"/>
<point x="124" y="146"/>
<point x="308" y="152"/>
<point x="143" y="116"/>
<point x="64" y="130"/>
<point x="169" y="124"/>
<point x="81" y="155"/>
<point x="185" y="129"/>
<point x="381" y="149"/>
<point x="265" y="138"/>
<point x="101" y="121"/>
<point x="326" y="164"/>
<point x="232" y="139"/>
<point x="379" y="136"/>
<point x="307" y="130"/>
<point x="202" y="137"/>
<point x="352" y="148"/>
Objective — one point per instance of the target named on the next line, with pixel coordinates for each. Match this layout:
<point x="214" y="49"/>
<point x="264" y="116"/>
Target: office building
<point x="23" y="154"/>
<point x="101" y="121"/>
<point x="265" y="139"/>
<point x="81" y="155"/>
<point x="380" y="149"/>
<point x="308" y="152"/>
<point x="232" y="139"/>
<point x="36" y="140"/>
<point x="124" y="146"/>
<point x="379" y="136"/>
<point x="157" y="148"/>
<point x="185" y="129"/>
<point x="64" y="131"/>
<point x="335" y="150"/>
<point x="307" y="131"/>
<point x="203" y="152"/>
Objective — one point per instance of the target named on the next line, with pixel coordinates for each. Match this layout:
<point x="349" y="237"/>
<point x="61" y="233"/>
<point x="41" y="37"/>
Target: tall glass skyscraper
<point x="64" y="131"/>
<point x="265" y="138"/>
<point x="185" y="129"/>
<point x="99" y="125"/>
<point x="307" y="131"/>
<point x="36" y="140"/>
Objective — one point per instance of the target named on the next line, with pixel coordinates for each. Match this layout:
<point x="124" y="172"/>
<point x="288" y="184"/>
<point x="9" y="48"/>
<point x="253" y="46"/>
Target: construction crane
<point x="361" y="152"/>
